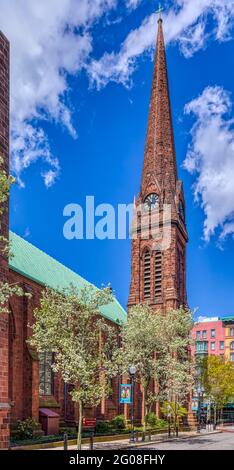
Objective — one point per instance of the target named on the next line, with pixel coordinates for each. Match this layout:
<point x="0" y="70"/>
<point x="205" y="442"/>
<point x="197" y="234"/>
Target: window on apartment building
<point x="198" y="335"/>
<point x="212" y="345"/>
<point x="212" y="333"/>
<point x="46" y="376"/>
<point x="202" y="346"/>
<point x="204" y="334"/>
<point x="232" y="357"/>
<point x="232" y="345"/>
<point x="221" y="345"/>
<point x="231" y="331"/>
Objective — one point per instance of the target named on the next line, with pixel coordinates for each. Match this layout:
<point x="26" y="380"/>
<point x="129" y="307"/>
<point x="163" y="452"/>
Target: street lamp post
<point x="200" y="392"/>
<point x="132" y="371"/>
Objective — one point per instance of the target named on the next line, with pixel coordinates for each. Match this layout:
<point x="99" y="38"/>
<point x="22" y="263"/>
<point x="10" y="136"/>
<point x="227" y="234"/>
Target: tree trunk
<point x="215" y="416"/>
<point x="79" y="433"/>
<point x="146" y="409"/>
<point x="145" y="414"/>
<point x="221" y="415"/>
<point x="177" y="420"/>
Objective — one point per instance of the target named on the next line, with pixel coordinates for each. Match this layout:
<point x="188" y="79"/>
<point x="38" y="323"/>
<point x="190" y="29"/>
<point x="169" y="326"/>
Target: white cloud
<point x="28" y="144"/>
<point x="193" y="39"/>
<point x="45" y="48"/>
<point x="49" y="177"/>
<point x="186" y="23"/>
<point x="133" y="3"/>
<point x="118" y="67"/>
<point x="211" y="158"/>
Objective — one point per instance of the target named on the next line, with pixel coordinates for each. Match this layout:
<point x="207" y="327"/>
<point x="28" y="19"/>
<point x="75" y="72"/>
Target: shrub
<point x="154" y="422"/>
<point x="151" y="419"/>
<point x="70" y="431"/>
<point x="177" y="411"/>
<point x="102" y="427"/>
<point x="161" y="423"/>
<point x="25" y="429"/>
<point x="118" y="422"/>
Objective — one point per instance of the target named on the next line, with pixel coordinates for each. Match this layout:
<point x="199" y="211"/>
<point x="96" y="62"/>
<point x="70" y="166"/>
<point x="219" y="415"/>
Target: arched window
<point x="158" y="274"/>
<point x="232" y="345"/>
<point x="46" y="384"/>
<point x="147" y="275"/>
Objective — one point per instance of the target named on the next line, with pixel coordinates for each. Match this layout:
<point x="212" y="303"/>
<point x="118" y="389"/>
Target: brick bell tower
<point x="4" y="326"/>
<point x="159" y="254"/>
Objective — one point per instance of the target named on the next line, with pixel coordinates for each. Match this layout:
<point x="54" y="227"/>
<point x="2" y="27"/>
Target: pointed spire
<point x="160" y="159"/>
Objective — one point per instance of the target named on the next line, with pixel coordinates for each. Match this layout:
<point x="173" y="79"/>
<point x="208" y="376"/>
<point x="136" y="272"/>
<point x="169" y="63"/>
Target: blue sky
<point x="80" y="87"/>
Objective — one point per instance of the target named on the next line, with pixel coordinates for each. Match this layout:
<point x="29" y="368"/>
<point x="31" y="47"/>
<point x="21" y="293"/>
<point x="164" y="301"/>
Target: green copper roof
<point x="228" y="319"/>
<point x="45" y="270"/>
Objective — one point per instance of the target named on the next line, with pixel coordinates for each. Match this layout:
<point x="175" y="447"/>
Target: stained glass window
<point x="46" y="373"/>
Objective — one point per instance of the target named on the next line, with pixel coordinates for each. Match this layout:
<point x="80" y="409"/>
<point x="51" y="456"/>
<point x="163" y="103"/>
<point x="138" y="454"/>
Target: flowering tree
<point x="176" y="374"/>
<point x="142" y="340"/>
<point x="69" y="324"/>
<point x="6" y="290"/>
<point x="176" y="369"/>
<point x="158" y="347"/>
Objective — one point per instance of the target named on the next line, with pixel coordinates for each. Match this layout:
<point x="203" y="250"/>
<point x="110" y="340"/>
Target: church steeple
<point x="158" y="274"/>
<point x="159" y="160"/>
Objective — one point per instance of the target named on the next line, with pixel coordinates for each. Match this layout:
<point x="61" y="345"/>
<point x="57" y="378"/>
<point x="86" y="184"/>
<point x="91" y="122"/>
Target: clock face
<point x="151" y="201"/>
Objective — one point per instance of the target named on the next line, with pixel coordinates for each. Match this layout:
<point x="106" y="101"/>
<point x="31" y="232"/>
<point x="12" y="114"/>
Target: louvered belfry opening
<point x="158" y="274"/>
<point x="147" y="275"/>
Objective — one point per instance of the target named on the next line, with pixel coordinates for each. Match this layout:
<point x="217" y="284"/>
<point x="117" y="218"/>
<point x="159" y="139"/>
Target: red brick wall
<point x="4" y="116"/>
<point x="4" y="152"/>
<point x="24" y="369"/>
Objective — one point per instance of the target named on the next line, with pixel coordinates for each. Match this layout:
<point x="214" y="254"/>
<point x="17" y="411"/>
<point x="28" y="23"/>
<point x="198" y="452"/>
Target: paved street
<point x="117" y="444"/>
<point x="187" y="441"/>
<point x="221" y="441"/>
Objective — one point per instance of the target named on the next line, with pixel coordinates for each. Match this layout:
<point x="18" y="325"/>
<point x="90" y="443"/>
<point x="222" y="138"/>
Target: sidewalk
<point x="125" y="444"/>
<point x="225" y="428"/>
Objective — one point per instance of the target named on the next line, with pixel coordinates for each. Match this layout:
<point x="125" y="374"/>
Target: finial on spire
<point x="159" y="11"/>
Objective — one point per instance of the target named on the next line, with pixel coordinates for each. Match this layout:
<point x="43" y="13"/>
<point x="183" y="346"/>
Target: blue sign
<point x="195" y="404"/>
<point x="126" y="394"/>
